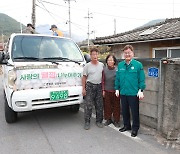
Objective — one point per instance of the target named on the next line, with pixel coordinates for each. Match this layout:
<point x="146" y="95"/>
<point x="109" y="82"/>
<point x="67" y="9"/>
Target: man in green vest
<point x="129" y="84"/>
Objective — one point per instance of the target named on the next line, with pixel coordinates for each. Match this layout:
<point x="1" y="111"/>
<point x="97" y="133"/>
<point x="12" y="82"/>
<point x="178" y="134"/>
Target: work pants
<point x="93" y="97"/>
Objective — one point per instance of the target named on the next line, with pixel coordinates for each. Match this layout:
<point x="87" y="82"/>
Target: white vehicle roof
<point x="44" y="35"/>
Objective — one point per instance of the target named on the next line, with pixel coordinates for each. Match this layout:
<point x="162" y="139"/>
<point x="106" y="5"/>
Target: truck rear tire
<point x="75" y="108"/>
<point x="10" y="115"/>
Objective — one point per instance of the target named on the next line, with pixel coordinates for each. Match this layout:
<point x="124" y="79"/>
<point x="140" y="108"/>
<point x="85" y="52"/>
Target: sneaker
<point x="108" y="122"/>
<point x="99" y="124"/>
<point x="87" y="125"/>
<point x="117" y="124"/>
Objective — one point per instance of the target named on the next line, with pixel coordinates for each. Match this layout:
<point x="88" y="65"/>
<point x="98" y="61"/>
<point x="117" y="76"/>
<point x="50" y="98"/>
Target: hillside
<point x="8" y="25"/>
<point x="152" y="22"/>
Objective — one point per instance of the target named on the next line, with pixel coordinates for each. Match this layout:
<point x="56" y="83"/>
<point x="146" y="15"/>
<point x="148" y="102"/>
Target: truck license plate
<point x="58" y="95"/>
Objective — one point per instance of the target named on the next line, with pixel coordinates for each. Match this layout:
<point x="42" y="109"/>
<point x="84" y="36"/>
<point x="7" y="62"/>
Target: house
<point x="155" y="41"/>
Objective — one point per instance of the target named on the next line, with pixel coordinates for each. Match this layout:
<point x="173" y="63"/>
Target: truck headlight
<point x="11" y="79"/>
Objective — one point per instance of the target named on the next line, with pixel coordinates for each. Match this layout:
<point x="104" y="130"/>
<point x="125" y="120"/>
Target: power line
<point x="100" y="13"/>
<point x="50" y="13"/>
<point x="46" y="9"/>
<point x="96" y="12"/>
<point x="117" y="16"/>
<point x="110" y="2"/>
<point x="53" y="3"/>
<point x="77" y="25"/>
<point x="69" y="12"/>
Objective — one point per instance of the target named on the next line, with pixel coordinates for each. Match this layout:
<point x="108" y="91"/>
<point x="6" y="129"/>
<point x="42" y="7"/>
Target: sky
<point x="107" y="17"/>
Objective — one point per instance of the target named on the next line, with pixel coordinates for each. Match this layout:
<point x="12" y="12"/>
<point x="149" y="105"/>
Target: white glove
<point x="140" y="94"/>
<point x="117" y="93"/>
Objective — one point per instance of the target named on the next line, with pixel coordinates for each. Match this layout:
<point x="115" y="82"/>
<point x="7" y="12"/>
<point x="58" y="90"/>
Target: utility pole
<point x="94" y="33"/>
<point x="114" y="26"/>
<point x="33" y="13"/>
<point x="69" y="4"/>
<point x="173" y="8"/>
<point x="88" y="17"/>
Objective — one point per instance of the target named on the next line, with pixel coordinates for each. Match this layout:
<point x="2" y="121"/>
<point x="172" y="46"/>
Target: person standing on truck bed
<point x="92" y="89"/>
<point x="56" y="31"/>
<point x="30" y="29"/>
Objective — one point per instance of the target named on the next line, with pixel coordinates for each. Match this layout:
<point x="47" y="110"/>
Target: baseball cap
<point x="53" y="26"/>
<point x="30" y="25"/>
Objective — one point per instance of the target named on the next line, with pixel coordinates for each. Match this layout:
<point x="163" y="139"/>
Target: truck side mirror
<point x="87" y="58"/>
<point x="1" y="56"/>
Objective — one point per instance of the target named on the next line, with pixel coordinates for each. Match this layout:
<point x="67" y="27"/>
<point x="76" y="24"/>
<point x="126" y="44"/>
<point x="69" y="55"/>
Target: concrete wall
<point x="170" y="125"/>
<point x="160" y="108"/>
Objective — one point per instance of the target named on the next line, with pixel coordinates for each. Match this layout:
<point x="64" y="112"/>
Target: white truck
<point x="39" y="72"/>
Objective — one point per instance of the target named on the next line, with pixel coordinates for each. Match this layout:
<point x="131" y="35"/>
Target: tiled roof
<point x="168" y="29"/>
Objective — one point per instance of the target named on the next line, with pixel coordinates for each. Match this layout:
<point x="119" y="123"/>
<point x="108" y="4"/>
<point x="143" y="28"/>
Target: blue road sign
<point x="153" y="72"/>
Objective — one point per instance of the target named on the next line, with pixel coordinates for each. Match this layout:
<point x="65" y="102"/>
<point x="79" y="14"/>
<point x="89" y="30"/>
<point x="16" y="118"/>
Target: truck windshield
<point x="43" y="47"/>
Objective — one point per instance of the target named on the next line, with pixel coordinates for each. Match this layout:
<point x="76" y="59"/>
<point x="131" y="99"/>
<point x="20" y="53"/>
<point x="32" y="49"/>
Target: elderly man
<point x="130" y="82"/>
<point x="92" y="89"/>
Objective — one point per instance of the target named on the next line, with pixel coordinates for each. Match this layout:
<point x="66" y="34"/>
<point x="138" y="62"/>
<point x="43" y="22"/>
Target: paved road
<point x="58" y="131"/>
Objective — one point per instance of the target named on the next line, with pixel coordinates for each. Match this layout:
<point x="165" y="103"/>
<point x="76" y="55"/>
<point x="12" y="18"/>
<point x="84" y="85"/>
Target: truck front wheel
<point x="75" y="108"/>
<point x="10" y="115"/>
